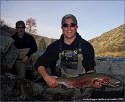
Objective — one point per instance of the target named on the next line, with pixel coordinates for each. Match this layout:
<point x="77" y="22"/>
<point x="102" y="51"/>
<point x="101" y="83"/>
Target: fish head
<point x="108" y="81"/>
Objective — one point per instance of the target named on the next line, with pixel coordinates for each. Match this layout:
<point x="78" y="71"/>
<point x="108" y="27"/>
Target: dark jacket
<point x="27" y="41"/>
<point x="50" y="56"/>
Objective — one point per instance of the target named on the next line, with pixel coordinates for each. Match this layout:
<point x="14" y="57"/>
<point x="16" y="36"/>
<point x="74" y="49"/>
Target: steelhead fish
<point x="88" y="80"/>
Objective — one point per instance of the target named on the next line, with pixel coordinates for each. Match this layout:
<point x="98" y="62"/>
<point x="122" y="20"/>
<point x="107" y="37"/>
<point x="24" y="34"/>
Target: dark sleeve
<point x="48" y="59"/>
<point x="88" y="58"/>
<point x="33" y="46"/>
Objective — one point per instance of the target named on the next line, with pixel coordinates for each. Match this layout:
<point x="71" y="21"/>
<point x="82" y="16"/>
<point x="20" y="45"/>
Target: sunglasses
<point x="67" y="25"/>
<point x="20" y="27"/>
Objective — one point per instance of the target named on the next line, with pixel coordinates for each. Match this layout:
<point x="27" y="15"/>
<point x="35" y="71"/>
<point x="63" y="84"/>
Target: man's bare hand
<point x="51" y="81"/>
<point x="24" y="60"/>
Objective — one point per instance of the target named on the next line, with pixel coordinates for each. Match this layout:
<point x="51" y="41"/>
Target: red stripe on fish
<point x="106" y="79"/>
<point x="79" y="83"/>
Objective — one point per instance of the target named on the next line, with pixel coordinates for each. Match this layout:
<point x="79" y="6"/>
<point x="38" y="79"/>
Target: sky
<point x="94" y="17"/>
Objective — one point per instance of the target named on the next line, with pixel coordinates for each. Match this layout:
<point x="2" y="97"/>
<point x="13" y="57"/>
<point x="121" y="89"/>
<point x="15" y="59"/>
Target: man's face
<point x="20" y="29"/>
<point x="69" y="29"/>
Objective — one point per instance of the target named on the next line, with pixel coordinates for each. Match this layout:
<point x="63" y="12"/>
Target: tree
<point x="31" y="26"/>
<point x="3" y="23"/>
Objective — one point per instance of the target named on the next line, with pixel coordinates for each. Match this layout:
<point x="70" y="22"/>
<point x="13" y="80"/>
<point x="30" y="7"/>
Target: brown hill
<point x="42" y="42"/>
<point x="111" y="43"/>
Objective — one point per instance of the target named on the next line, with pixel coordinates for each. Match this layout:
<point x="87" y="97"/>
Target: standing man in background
<point x="27" y="47"/>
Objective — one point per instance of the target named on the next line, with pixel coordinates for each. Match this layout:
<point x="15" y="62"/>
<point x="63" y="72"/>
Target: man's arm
<point x="50" y="80"/>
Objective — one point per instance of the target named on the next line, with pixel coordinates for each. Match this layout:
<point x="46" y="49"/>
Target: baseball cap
<point x="20" y="23"/>
<point x="69" y="16"/>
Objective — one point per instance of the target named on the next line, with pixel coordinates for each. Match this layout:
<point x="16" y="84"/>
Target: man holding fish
<point x="71" y="56"/>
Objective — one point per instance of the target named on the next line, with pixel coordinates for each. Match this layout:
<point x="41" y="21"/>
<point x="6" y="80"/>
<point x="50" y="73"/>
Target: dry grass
<point x="111" y="43"/>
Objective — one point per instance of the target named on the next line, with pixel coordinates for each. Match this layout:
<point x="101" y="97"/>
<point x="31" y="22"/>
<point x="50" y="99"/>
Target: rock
<point x="5" y="41"/>
<point x="9" y="52"/>
<point x="14" y="87"/>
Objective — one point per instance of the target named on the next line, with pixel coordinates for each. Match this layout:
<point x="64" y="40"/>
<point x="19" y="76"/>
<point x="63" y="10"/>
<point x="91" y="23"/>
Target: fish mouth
<point x="116" y="84"/>
<point x="111" y="84"/>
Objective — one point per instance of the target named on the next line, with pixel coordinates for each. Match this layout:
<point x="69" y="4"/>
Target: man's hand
<point x="51" y="81"/>
<point x="24" y="60"/>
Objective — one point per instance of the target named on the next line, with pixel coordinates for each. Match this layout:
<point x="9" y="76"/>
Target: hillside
<point x="111" y="43"/>
<point x="43" y="42"/>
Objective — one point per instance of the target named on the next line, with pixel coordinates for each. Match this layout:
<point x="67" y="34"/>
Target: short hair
<point x="69" y="16"/>
<point x="20" y="23"/>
